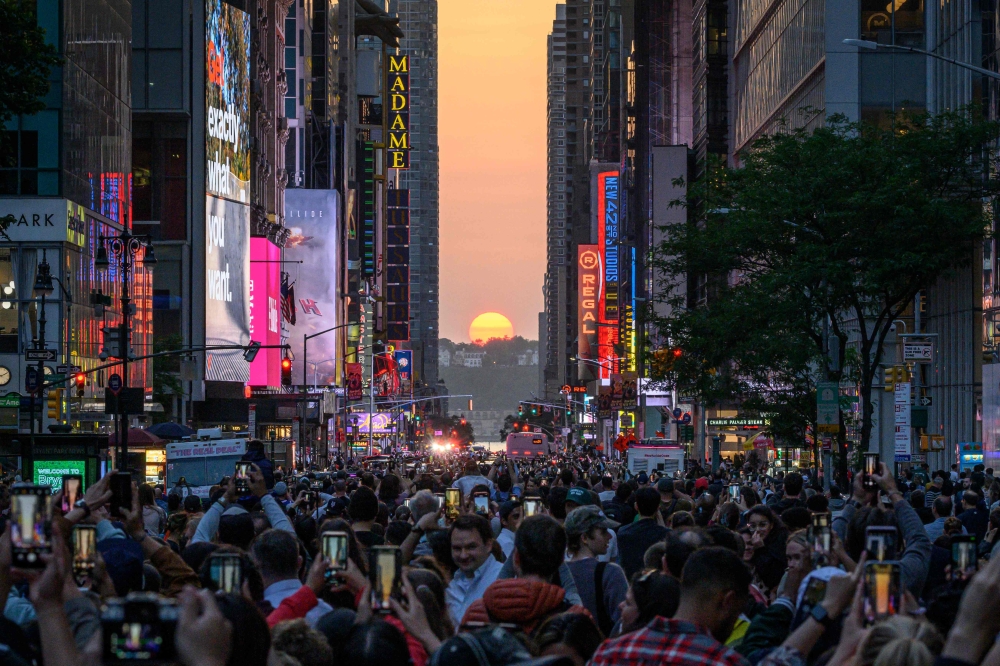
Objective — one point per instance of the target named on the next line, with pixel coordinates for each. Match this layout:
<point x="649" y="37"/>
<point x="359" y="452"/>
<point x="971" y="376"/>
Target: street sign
<point x="921" y="351"/>
<point x="55" y="377"/>
<point x="115" y="383"/>
<point x="31" y="379"/>
<point x="828" y="406"/>
<point x="10" y="400"/>
<point x="252" y="420"/>
<point x="677" y="412"/>
<point x="686" y="418"/>
<point x="902" y="415"/>
<point x="925" y="401"/>
<point x="64" y="369"/>
<point x="39" y="354"/>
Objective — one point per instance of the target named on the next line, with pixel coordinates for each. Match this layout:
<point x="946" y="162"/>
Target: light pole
<point x="124" y="249"/>
<point x="305" y="351"/>
<point x="872" y="46"/>
<point x="43" y="287"/>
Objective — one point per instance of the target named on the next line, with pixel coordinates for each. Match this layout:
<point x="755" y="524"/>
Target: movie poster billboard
<point x="227" y="288"/>
<point x="312" y="259"/>
<point x="227" y="101"/>
<point x="265" y="311"/>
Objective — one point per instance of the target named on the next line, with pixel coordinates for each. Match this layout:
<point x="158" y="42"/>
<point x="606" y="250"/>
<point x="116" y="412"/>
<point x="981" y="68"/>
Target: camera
<point x="140" y="627"/>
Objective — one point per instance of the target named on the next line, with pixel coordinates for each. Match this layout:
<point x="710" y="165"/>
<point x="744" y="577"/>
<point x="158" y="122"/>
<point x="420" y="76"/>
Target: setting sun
<point x="490" y="325"/>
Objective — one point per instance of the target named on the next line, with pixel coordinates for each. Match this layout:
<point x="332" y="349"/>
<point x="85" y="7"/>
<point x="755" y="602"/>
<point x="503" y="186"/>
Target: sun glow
<point x="488" y="326"/>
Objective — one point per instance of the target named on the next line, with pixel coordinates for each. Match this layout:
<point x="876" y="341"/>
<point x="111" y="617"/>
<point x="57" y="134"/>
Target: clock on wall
<point x="4" y="376"/>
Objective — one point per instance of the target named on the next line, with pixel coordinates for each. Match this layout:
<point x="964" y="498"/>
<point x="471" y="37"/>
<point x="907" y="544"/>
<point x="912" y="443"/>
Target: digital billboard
<point x="607" y="244"/>
<point x="227" y="288"/>
<point x="227" y="101"/>
<point x="397" y="266"/>
<point x="312" y="257"/>
<point x="50" y="472"/>
<point x="265" y="311"/>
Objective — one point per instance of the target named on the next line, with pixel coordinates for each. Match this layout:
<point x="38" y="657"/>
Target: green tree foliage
<point x="26" y="60"/>
<point x="805" y="255"/>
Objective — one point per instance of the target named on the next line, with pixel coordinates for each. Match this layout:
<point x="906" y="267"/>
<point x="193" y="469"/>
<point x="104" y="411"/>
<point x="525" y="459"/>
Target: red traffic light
<point x="678" y="353"/>
<point x="286" y="364"/>
<point x="80" y="379"/>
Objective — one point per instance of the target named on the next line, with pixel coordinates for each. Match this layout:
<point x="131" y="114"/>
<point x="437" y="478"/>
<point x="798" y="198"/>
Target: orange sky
<point x="491" y="130"/>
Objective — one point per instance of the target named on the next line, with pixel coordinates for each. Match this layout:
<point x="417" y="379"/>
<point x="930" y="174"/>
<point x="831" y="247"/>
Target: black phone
<point x="871" y="467"/>
<point x="481" y="501"/>
<point x="883" y="591"/>
<point x="734" y="493"/>
<point x="140" y="627"/>
<point x="72" y="490"/>
<point x="385" y="572"/>
<point x="121" y="493"/>
<point x="335" y="551"/>
<point x="84" y="551"/>
<point x="242" y="477"/>
<point x="964" y="561"/>
<point x="880" y="543"/>
<point x="31" y="525"/>
<point x="226" y="572"/>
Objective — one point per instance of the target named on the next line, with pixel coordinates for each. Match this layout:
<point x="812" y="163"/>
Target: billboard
<point x="50" y="472"/>
<point x="398" y="93"/>
<point x="588" y="289"/>
<point x="607" y="224"/>
<point x="265" y="311"/>
<point x="312" y="256"/>
<point x="227" y="288"/>
<point x="227" y="101"/>
<point x="397" y="266"/>
<point x="381" y="420"/>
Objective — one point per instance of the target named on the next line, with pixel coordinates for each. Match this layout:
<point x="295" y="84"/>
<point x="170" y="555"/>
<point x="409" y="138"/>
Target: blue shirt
<point x="278" y="592"/>
<point x="936" y="528"/>
<point x="464" y="590"/>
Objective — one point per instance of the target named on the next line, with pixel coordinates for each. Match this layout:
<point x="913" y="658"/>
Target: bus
<point x="201" y="464"/>
<point x="527" y="445"/>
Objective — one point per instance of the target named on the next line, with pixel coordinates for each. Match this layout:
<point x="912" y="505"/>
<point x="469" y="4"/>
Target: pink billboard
<point x="265" y="311"/>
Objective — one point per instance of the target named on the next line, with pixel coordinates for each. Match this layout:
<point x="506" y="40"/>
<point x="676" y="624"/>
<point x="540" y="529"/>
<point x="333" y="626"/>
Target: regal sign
<point x="398" y="95"/>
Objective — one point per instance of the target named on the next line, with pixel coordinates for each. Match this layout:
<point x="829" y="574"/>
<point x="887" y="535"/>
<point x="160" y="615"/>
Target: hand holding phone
<point x="121" y="494"/>
<point x="871" y="468"/>
<point x="385" y="574"/>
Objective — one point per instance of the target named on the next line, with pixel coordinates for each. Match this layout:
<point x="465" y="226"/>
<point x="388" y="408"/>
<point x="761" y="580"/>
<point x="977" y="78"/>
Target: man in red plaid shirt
<point x="714" y="589"/>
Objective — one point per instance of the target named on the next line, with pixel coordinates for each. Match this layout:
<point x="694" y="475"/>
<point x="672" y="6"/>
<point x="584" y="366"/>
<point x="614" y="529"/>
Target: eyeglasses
<point x="763" y="525"/>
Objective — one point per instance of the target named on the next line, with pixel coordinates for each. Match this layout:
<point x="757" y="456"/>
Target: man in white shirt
<point x="608" y="492"/>
<point x="471" y="543"/>
<point x="511" y="514"/>
<point x="472" y="478"/>
<point x="276" y="554"/>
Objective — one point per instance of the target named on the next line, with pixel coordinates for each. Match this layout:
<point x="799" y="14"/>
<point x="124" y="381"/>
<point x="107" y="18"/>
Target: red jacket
<point x="525" y="603"/>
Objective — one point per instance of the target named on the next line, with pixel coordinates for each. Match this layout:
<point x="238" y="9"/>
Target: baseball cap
<point x="585" y="518"/>
<point x="280" y="488"/>
<point x="578" y="496"/>
<point x="701" y="482"/>
<point x="665" y="485"/>
<point x="642" y="478"/>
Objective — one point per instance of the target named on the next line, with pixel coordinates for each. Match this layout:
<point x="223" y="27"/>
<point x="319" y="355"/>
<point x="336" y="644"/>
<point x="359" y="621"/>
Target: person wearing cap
<point x="642" y="479"/>
<point x="511" y="513"/>
<point x="578" y="497"/>
<point x="634" y="539"/>
<point x="280" y="493"/>
<point x="602" y="586"/>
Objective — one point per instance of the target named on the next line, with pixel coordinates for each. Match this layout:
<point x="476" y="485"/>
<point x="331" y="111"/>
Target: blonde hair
<point x="900" y="641"/>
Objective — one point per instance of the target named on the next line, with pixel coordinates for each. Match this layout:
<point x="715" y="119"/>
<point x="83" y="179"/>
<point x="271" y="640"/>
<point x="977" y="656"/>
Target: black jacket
<point x="634" y="540"/>
<point x="770" y="561"/>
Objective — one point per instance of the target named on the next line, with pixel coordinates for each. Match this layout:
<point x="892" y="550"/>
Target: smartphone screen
<point x="880" y="542"/>
<point x="452" y="501"/>
<point x="871" y="467"/>
<point x="440" y="499"/>
<point x="963" y="558"/>
<point x="883" y="591"/>
<point x="482" y="503"/>
<point x="226" y="572"/>
<point x="530" y="507"/>
<point x="242" y="476"/>
<point x="72" y="490"/>
<point x="84" y="548"/>
<point x="815" y="592"/>
<point x="335" y="550"/>
<point x="386" y="576"/>
<point x="139" y="631"/>
<point x="31" y="516"/>
<point x="121" y="493"/>
<point x="734" y="492"/>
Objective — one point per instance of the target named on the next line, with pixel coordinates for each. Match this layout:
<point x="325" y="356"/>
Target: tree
<point x="27" y="60"/>
<point x="816" y="245"/>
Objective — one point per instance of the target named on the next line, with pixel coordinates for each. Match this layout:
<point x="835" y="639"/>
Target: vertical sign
<point x="398" y="95"/>
<point x="607" y="193"/>
<point x="607" y="245"/>
<point x="366" y="176"/>
<point x="828" y="406"/>
<point x="901" y="408"/>
<point x="252" y="420"/>
<point x="588" y="289"/>
<point x="265" y="311"/>
<point x="397" y="266"/>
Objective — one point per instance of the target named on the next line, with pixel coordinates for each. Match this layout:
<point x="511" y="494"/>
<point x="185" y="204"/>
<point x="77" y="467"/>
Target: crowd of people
<point x="564" y="560"/>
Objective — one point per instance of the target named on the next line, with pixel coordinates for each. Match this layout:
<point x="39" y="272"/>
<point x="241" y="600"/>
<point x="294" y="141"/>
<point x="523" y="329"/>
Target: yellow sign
<point x="398" y="95"/>
<point x="828" y="427"/>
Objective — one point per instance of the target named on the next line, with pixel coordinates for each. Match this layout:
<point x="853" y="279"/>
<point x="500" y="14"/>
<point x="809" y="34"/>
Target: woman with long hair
<point x="154" y="519"/>
<point x="768" y="540"/>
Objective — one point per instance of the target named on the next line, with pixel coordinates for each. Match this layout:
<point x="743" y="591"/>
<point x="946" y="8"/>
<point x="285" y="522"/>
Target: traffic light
<point x="80" y="380"/>
<point x="463" y="421"/>
<point x="54" y="400"/>
<point x="895" y="374"/>
<point x="250" y="353"/>
<point x="286" y="372"/>
<point x="534" y="410"/>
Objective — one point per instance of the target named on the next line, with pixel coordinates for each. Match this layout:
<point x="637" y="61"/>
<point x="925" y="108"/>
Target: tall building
<point x="418" y="20"/>
<point x="570" y="119"/>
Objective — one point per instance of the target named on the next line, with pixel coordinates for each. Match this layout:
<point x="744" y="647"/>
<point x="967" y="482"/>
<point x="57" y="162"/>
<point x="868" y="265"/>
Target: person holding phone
<point x="228" y="506"/>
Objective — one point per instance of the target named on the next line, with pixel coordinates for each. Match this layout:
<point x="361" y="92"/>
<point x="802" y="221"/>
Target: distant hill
<point x="495" y="387"/>
<point x="503" y="351"/>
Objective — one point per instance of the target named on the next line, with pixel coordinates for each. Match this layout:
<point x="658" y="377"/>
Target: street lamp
<point x="872" y="46"/>
<point x="124" y="250"/>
